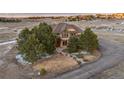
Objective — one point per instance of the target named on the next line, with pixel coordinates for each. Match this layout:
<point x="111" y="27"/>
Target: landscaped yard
<point x="57" y="64"/>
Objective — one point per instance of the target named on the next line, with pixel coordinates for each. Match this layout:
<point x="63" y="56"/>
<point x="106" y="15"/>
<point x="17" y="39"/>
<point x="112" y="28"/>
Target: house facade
<point x="64" y="32"/>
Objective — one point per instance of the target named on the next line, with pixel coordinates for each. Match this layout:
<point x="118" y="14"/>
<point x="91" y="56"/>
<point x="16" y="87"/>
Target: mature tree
<point x="46" y="37"/>
<point x="49" y="39"/>
<point x="32" y="49"/>
<point x="35" y="42"/>
<point x="23" y="36"/>
<point x="73" y="44"/>
<point x="81" y="42"/>
<point x="88" y="40"/>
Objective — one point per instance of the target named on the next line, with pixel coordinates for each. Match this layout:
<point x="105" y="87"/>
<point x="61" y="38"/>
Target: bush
<point x="43" y="72"/>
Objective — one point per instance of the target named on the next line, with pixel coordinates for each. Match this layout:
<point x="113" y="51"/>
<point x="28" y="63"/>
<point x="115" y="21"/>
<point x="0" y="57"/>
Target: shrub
<point x="43" y="72"/>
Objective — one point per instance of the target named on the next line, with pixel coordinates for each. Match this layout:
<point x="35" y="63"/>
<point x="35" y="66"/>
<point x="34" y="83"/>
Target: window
<point x="72" y="34"/>
<point x="64" y="43"/>
<point x="64" y="35"/>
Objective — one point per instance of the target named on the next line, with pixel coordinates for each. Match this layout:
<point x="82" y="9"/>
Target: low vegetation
<point x="43" y="72"/>
<point x="9" y="20"/>
<point x="78" y="18"/>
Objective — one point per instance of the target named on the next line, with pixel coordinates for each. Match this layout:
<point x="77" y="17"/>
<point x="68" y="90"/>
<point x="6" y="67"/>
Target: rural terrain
<point x="111" y="39"/>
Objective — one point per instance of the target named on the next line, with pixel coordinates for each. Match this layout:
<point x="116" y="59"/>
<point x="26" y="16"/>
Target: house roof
<point x="62" y="26"/>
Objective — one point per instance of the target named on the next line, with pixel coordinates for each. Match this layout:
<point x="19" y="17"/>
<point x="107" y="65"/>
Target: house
<point x="64" y="32"/>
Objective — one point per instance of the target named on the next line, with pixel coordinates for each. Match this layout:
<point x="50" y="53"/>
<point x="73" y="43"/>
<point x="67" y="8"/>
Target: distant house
<point x="65" y="31"/>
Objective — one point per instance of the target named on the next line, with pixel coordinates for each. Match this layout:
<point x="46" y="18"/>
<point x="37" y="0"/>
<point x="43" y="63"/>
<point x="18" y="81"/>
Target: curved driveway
<point x="113" y="54"/>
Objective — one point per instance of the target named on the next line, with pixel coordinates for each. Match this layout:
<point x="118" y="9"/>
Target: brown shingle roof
<point x="62" y="26"/>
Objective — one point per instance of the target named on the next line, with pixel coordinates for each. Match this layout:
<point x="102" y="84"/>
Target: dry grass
<point x="92" y="57"/>
<point x="57" y="64"/>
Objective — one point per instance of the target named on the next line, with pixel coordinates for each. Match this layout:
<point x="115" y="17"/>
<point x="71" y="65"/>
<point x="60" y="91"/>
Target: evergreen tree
<point x="81" y="42"/>
<point x="37" y="41"/>
<point x="73" y="44"/>
<point x="23" y="36"/>
<point x="32" y="49"/>
<point x="88" y="40"/>
<point x="46" y="37"/>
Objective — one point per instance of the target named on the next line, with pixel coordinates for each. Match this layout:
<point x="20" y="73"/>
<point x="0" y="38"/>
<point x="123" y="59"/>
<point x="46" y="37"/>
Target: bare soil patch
<point x="7" y="36"/>
<point x="11" y="69"/>
<point x="4" y="49"/>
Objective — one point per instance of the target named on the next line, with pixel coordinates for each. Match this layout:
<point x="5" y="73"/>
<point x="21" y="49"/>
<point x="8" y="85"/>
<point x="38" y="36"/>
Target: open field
<point x="9" y="31"/>
<point x="10" y="69"/>
<point x="7" y="36"/>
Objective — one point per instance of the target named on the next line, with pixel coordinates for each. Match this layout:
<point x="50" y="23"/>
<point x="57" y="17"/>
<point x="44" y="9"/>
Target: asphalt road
<point x="113" y="54"/>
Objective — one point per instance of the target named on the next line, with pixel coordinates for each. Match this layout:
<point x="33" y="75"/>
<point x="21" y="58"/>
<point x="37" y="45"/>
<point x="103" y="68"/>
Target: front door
<point x="58" y="42"/>
<point x="65" y="43"/>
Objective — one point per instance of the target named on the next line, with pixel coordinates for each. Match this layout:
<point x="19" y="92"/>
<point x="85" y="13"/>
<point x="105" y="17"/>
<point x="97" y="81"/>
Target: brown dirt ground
<point x="7" y="36"/>
<point x="57" y="64"/>
<point x="92" y="57"/>
<point x="10" y="69"/>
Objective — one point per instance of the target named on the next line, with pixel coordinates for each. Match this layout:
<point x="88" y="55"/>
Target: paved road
<point x="113" y="54"/>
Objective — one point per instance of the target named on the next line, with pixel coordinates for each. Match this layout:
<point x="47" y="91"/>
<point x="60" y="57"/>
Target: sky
<point x="36" y="14"/>
<point x="61" y="6"/>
